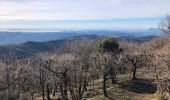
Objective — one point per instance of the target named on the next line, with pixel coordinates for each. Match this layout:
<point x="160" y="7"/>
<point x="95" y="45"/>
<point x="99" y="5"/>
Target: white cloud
<point x="83" y="9"/>
<point x="14" y="12"/>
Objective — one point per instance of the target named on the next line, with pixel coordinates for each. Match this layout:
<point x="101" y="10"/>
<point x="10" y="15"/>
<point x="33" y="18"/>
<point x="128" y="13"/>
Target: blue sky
<point x="82" y="14"/>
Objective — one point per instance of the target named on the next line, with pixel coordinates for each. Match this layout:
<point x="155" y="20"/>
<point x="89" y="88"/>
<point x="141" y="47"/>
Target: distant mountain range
<point x="7" y="38"/>
<point x="31" y="48"/>
<point x="24" y="44"/>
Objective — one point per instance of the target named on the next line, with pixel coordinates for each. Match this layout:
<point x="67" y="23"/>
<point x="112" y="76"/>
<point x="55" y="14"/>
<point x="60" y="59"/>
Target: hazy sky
<point x="85" y="14"/>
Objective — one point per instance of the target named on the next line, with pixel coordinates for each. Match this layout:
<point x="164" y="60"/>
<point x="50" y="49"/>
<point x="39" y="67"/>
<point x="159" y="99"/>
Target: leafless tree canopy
<point x="85" y="69"/>
<point x="165" y="25"/>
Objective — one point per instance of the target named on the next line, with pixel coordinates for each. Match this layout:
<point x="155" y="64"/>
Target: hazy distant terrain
<point x="21" y="37"/>
<point x="25" y="44"/>
<point x="32" y="47"/>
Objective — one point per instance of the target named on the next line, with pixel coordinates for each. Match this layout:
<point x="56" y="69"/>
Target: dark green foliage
<point x="109" y="45"/>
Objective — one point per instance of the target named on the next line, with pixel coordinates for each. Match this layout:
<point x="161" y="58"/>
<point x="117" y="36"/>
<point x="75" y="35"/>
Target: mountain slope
<point x="21" y="37"/>
<point x="32" y="48"/>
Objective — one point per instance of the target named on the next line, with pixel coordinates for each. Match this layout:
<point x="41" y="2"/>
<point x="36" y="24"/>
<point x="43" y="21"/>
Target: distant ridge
<point x="21" y="37"/>
<point x="32" y="48"/>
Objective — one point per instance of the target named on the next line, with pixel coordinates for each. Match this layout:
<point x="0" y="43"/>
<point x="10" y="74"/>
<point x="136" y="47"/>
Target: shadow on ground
<point x="141" y="86"/>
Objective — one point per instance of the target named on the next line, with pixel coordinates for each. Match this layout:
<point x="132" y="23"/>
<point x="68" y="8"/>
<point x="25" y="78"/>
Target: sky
<point x="81" y="14"/>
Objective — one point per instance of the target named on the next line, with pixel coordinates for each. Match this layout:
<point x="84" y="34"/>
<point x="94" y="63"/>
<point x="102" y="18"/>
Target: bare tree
<point x="106" y="53"/>
<point x="158" y="54"/>
<point x="165" y="25"/>
<point x="131" y="53"/>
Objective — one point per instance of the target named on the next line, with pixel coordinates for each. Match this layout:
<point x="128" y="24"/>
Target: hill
<point x="22" y="37"/>
<point x="31" y="48"/>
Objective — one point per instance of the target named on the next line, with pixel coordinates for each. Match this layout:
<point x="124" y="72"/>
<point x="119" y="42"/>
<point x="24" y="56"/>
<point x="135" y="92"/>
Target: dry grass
<point x="141" y="89"/>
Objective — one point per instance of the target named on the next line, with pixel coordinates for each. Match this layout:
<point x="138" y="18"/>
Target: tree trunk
<point x="48" y="92"/>
<point x="113" y="80"/>
<point x="54" y="92"/>
<point x="157" y="78"/>
<point x="134" y="72"/>
<point x="65" y="84"/>
<point x="104" y="85"/>
<point x="43" y="94"/>
<point x="42" y="84"/>
<point x="85" y="82"/>
<point x="32" y="96"/>
<point x="113" y="75"/>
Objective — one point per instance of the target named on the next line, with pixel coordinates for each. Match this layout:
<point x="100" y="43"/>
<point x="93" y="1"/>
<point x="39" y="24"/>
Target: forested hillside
<point x="87" y="67"/>
<point x="105" y="68"/>
<point x="84" y="50"/>
<point x="32" y="48"/>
